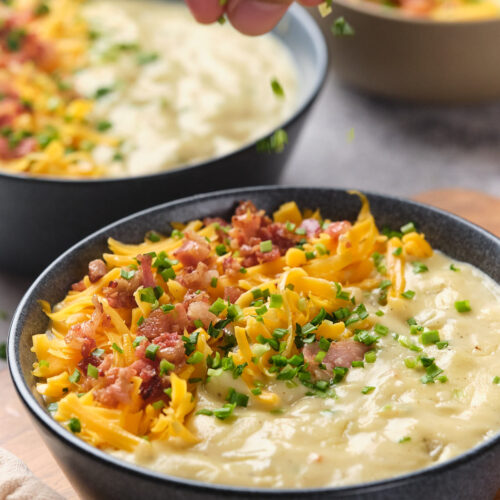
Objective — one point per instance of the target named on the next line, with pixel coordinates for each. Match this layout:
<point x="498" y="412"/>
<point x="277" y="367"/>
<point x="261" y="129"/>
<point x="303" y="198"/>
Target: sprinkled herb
<point x="462" y="306"/>
<point x="158" y="405"/>
<point x="151" y="351"/>
<point x="276" y="301"/>
<point x="236" y="397"/>
<point x="92" y="371"/>
<point x="410" y="362"/>
<point x="418" y="268"/>
<point x="14" y="39"/>
<point x="116" y="348"/>
<point x="405" y="439"/>
<point x="204" y="411"/>
<point x="358" y="364"/>
<point x="74" y="425"/>
<point x="442" y="345"/>
<point x="341" y="27"/>
<point x="190" y="342"/>
<point x="42" y="9"/>
<point x="222" y="19"/>
<point x="408" y="294"/>
<point x="385" y="284"/>
<point x="195" y="358"/>
<point x="74" y="378"/>
<point x="3" y="350"/>
<point x="104" y="125"/>
<point x="496" y="379"/>
<point x="274" y="144"/>
<point x="408" y="228"/>
<point x="127" y="274"/>
<point x="102" y="91"/>
<point x="379" y="261"/>
<point x="225" y="412"/>
<point x="220" y="249"/>
<point x="266" y="246"/>
<point x="379" y="313"/>
<point x="52" y="407"/>
<point x="153" y="236"/>
<point x="381" y="329"/>
<point x="366" y="337"/>
<point x="213" y="282"/>
<point x="430" y="337"/>
<point x="454" y="268"/>
<point x="140" y="321"/>
<point x="257" y="391"/>
<point x="43" y="363"/>
<point x="371" y="357"/>
<point x="277" y="88"/>
<point x="398" y="251"/>
<point x="147" y="58"/>
<point x="367" y="389"/>
<point x="166" y="308"/>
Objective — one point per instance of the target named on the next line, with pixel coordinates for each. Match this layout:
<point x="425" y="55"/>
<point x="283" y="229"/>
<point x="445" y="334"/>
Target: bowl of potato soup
<point x="121" y="105"/>
<point x="269" y="342"/>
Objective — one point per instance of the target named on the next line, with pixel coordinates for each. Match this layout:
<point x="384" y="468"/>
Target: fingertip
<point x="205" y="11"/>
<point x="310" y="3"/>
<point x="254" y="17"/>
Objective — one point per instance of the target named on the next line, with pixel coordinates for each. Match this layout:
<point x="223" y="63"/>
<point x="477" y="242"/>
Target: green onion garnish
<point x="266" y="246"/>
<point x="408" y="294"/>
<point x="92" y="371"/>
<point x="151" y="351"/>
<point x="74" y="425"/>
<point x="462" y="306"/>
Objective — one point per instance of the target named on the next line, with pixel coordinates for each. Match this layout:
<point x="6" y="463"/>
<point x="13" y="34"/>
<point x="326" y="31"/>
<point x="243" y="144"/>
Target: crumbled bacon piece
<point x="147" y="273"/>
<point x="199" y="311"/>
<point x="341" y="353"/>
<point x="312" y="227"/>
<point x="97" y="269"/>
<point x="120" y="292"/>
<point x="231" y="266"/>
<point x="336" y="229"/>
<point x="171" y="348"/>
<point x="159" y="322"/>
<point x="24" y="147"/>
<point x="117" y="387"/>
<point x="79" y="286"/>
<point x="198" y="278"/>
<point x="282" y="237"/>
<point x="232" y="293"/>
<point x="268" y="256"/>
<point x="193" y="250"/>
<point x="81" y="333"/>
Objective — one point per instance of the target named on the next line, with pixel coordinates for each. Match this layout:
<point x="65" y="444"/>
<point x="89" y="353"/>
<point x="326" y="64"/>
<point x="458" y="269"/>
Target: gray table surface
<point x="352" y="140"/>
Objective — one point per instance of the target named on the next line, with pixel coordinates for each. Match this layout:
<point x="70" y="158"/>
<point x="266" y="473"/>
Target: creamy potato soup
<point x="283" y="352"/>
<point x="112" y="88"/>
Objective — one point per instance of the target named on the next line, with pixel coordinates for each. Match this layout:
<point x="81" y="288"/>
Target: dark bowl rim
<point x="39" y="413"/>
<point x="320" y="49"/>
<point x="394" y="14"/>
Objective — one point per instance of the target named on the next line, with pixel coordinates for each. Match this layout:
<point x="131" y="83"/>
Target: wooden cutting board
<point x="18" y="435"/>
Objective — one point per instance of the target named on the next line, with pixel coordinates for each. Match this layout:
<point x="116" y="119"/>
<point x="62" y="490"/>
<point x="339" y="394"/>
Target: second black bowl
<point x="41" y="217"/>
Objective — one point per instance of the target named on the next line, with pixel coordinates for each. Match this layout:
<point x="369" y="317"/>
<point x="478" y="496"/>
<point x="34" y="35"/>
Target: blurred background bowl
<point x="401" y="57"/>
<point x="41" y="217"/>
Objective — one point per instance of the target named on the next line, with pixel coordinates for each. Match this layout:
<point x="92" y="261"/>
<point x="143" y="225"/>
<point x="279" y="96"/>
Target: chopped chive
<point x="213" y="282"/>
<point x="116" y="348"/>
<point x="153" y="236"/>
<point x="410" y="363"/>
<point x="310" y="255"/>
<point x="277" y="88"/>
<point x="442" y="345"/>
<point x="367" y="389"/>
<point x="385" y="284"/>
<point x="408" y="294"/>
<point x="221" y="249"/>
<point x="496" y="379"/>
<point x="92" y="371"/>
<point x="195" y="358"/>
<point x="204" y="411"/>
<point x="74" y="425"/>
<point x="462" y="306"/>
<point x="138" y="340"/>
<point x="408" y="228"/>
<point x="151" y="351"/>
<point x="158" y="405"/>
<point x="430" y="337"/>
<point x="371" y="357"/>
<point x="266" y="246"/>
<point x="379" y="313"/>
<point x="418" y="268"/>
<point x="166" y="366"/>
<point x="217" y="307"/>
<point x="341" y="27"/>
<point x="398" y="251"/>
<point x="225" y="412"/>
<point x="167" y="307"/>
<point x="43" y="363"/>
<point x="104" y="125"/>
<point x="276" y="301"/>
<point x="405" y="439"/>
<point x="236" y="398"/>
<point x="320" y="356"/>
<point x="257" y="391"/>
<point x="358" y="364"/>
<point x="454" y="268"/>
<point x="128" y="275"/>
<point x="381" y="329"/>
<point x="321" y="249"/>
<point x="74" y="378"/>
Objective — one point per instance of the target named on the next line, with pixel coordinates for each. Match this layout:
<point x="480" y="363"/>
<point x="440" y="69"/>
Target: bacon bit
<point x="120" y="293"/>
<point x="268" y="256"/>
<point x="311" y="226"/>
<point x="97" y="269"/>
<point x="79" y="286"/>
<point x="221" y="234"/>
<point x="171" y="348"/>
<point x="194" y="249"/>
<point x="147" y="273"/>
<point x="232" y="293"/>
<point x="199" y="310"/>
<point x="11" y="105"/>
<point x="117" y="387"/>
<point x="341" y="354"/>
<point x="159" y="322"/>
<point x="24" y="147"/>
<point x="31" y="48"/>
<point x="198" y="278"/>
<point x="244" y="207"/>
<point x="80" y="333"/>
<point x="336" y="229"/>
<point x="231" y="267"/>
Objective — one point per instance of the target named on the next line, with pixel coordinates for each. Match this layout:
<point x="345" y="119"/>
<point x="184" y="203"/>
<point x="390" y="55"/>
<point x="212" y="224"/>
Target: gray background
<point x="352" y="140"/>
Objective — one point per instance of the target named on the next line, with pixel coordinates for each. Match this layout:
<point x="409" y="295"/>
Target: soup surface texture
<point x="289" y="352"/>
<point x="107" y="88"/>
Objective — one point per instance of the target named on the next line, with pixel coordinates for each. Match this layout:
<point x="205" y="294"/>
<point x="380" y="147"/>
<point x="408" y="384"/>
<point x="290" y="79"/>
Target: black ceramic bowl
<point x="94" y="474"/>
<point x="42" y="217"/>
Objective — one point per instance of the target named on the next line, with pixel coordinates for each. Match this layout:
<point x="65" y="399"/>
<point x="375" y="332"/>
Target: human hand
<point x="251" y="17"/>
